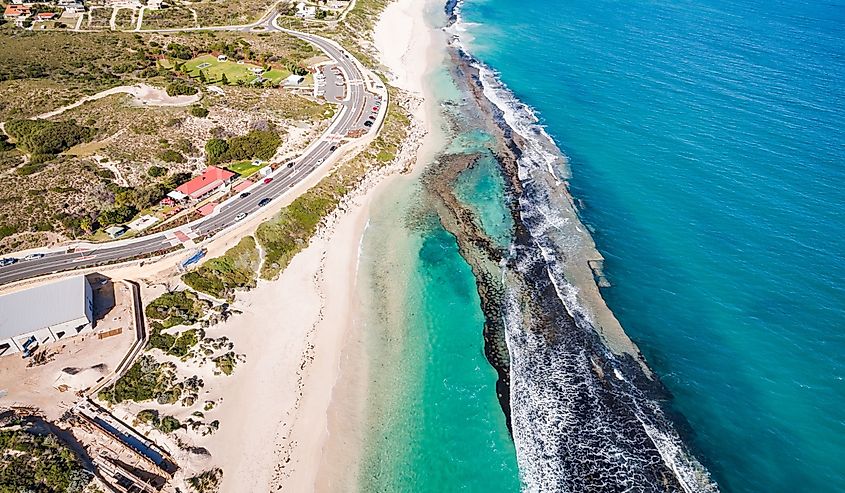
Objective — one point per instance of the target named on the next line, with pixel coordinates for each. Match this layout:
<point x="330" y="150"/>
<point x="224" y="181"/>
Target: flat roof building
<point x="45" y="314"/>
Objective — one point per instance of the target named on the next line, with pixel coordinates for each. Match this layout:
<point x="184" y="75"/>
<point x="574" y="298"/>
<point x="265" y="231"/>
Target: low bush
<point x="177" y="308"/>
<point x="199" y="111"/>
<point x="43" y="139"/>
<point x="236" y="269"/>
<point x="171" y="156"/>
<point x="156" y="171"/>
<point x="181" y="88"/>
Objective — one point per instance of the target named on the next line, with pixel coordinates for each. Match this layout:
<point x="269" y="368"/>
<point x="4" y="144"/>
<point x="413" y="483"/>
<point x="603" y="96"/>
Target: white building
<point x="45" y="314"/>
<point x="304" y="11"/>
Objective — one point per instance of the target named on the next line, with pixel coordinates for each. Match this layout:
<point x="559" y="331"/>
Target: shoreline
<point x="306" y="365"/>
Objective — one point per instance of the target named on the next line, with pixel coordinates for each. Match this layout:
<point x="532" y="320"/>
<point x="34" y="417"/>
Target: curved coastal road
<point x="354" y="110"/>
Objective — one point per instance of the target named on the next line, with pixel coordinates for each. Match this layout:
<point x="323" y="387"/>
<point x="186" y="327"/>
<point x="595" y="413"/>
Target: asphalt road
<point x="353" y="111"/>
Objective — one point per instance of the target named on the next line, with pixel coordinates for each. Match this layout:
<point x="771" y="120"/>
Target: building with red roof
<point x="207" y="183"/>
<point x="17" y="11"/>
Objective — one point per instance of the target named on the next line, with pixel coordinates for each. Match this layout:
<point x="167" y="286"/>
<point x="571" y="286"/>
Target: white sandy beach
<point x="291" y="413"/>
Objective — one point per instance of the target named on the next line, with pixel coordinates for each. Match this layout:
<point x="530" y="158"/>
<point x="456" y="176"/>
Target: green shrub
<point x="169" y="424"/>
<point x="180" y="88"/>
<point x="257" y="144"/>
<point x="171" y="156"/>
<point x="206" y="482"/>
<point x="177" y="307"/>
<point x="236" y="269"/>
<point x="226" y="363"/>
<point x="142" y="382"/>
<point x="36" y="462"/>
<point x="117" y="215"/>
<point x="156" y="171"/>
<point x="199" y="111"/>
<point x="45" y="138"/>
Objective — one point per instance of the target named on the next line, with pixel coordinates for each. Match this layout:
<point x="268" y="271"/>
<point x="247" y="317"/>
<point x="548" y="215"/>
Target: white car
<point x="240" y="216"/>
<point x="33" y="256"/>
<point x="320" y="161"/>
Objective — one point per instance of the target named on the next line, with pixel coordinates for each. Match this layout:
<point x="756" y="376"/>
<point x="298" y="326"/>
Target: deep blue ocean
<point x="707" y="147"/>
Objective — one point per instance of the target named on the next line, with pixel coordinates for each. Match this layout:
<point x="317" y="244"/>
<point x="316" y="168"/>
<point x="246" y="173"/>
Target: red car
<point x="267" y="180"/>
<point x="375" y="108"/>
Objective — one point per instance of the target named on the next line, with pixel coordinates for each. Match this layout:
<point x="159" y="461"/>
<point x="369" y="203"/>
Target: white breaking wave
<point x="554" y="395"/>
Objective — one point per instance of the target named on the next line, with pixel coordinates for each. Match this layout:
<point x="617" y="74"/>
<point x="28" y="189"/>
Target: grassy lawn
<point x="244" y="168"/>
<point x="233" y="70"/>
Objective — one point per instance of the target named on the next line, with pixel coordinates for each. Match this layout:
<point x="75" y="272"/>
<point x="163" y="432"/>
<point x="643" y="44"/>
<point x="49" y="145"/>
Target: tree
<point x="224" y="80"/>
<point x="202" y="76"/>
<point x="215" y="149"/>
<point x="86" y="225"/>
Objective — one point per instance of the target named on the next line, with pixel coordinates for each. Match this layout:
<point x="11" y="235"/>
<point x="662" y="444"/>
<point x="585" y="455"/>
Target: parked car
<point x="33" y="256"/>
<point x="267" y="180"/>
<point x="290" y="164"/>
<point x="7" y="261"/>
<point x="240" y="216"/>
<point x="375" y="108"/>
<point x="245" y="195"/>
<point x="368" y="123"/>
<point x="372" y="117"/>
<point x="264" y="201"/>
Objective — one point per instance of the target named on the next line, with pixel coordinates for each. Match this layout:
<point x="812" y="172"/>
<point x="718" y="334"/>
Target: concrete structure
<point x="45" y="314"/>
<point x="116" y="231"/>
<point x="293" y="80"/>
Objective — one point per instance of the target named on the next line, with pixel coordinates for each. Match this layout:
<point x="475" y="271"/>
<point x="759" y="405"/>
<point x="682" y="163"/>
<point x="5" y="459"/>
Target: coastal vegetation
<point x="226" y="363"/>
<point x="145" y="380"/>
<point x="287" y="233"/>
<point x="175" y="345"/>
<point x="38" y="463"/>
<point x="177" y="308"/>
<point x="260" y="144"/>
<point x="181" y="87"/>
<point x="44" y="139"/>
<point x="221" y="276"/>
<point x="206" y="482"/>
<point x="164" y="424"/>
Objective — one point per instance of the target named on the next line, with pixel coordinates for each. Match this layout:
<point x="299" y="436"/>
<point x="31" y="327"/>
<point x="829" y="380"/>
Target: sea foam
<point x="573" y="430"/>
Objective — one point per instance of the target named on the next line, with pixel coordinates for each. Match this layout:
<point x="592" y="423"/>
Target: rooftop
<point x="42" y="306"/>
<point x="209" y="180"/>
<point x="14" y="10"/>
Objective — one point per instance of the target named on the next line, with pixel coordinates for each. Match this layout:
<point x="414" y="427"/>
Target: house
<point x="207" y="183"/>
<point x="17" y="13"/>
<point x="74" y="8"/>
<point x="45" y="16"/>
<point x="304" y="11"/>
<point x="45" y="314"/>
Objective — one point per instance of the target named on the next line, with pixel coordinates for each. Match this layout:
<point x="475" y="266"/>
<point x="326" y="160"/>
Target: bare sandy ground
<point x="144" y="96"/>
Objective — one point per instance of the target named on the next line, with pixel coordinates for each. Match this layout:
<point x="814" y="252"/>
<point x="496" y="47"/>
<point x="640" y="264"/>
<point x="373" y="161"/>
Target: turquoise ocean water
<point x="434" y="421"/>
<point x="706" y="142"/>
